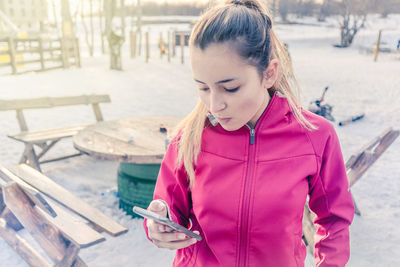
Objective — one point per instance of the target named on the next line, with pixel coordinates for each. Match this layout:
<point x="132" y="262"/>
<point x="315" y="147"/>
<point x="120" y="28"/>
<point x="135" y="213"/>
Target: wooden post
<point x="378" y="41"/>
<point x="65" y="52"/>
<point x="169" y="46"/>
<point x="182" y="48"/>
<point x="147" y="47"/>
<point x="97" y="111"/>
<point x="133" y="43"/>
<point x="139" y="37"/>
<point x="40" y="42"/>
<point x="77" y="53"/>
<point x="62" y="57"/>
<point x="11" y="51"/>
<point x="161" y="44"/>
<point x="21" y="120"/>
<point x="173" y="43"/>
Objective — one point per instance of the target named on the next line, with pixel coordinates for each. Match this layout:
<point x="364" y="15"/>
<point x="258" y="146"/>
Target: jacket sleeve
<point x="172" y="187"/>
<point x="331" y="201"/>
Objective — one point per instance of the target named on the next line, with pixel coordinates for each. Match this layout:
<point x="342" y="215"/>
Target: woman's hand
<point x="164" y="236"/>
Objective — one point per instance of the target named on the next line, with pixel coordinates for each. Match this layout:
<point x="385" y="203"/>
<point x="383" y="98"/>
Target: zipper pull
<point x="252" y="136"/>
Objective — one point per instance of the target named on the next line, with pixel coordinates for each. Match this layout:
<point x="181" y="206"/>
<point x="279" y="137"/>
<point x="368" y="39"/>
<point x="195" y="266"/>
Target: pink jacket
<point x="250" y="191"/>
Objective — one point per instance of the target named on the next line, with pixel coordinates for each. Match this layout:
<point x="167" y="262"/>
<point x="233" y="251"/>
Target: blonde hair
<point x="247" y="25"/>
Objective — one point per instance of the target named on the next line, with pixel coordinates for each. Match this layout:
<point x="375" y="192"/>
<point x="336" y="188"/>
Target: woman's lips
<point x="223" y="120"/>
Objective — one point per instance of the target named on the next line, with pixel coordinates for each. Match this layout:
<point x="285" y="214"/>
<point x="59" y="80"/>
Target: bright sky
<point x="170" y="1"/>
<point x="74" y="3"/>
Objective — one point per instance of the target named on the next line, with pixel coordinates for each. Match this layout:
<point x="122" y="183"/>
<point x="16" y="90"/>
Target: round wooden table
<point x="139" y="144"/>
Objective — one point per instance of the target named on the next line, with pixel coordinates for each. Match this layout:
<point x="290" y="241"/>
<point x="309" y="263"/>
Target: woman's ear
<point x="270" y="74"/>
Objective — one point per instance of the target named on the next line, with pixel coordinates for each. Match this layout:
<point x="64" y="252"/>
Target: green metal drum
<point x="136" y="184"/>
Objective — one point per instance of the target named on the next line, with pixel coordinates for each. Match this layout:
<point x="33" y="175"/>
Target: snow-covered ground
<point x="356" y="84"/>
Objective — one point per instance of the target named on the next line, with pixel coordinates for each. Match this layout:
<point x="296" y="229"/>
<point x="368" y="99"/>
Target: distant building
<point x="28" y="15"/>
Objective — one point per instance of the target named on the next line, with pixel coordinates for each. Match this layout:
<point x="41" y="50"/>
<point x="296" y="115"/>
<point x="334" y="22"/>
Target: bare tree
<point x="284" y="8"/>
<point x="305" y="8"/>
<point x="352" y="19"/>
<point x="89" y="41"/>
<point x="101" y="17"/>
<point x="385" y="7"/>
<point x="66" y="18"/>
<point x="53" y="6"/>
<point x="114" y="39"/>
<point x="273" y="9"/>
<point x="324" y="10"/>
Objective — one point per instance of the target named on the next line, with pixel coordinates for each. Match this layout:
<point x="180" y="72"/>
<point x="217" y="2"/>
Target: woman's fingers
<point x="167" y="237"/>
<point x="158" y="207"/>
<point x="164" y="236"/>
<point x="176" y="244"/>
<point x="157" y="227"/>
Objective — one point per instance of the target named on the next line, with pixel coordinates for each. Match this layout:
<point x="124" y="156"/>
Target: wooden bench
<point x="31" y="200"/>
<point x="44" y="140"/>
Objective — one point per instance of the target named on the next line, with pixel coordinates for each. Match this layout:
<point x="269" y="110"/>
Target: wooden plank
<point x="33" y="195"/>
<point x="49" y="102"/>
<point x="69" y="257"/>
<point x="10" y="218"/>
<point x="66" y="198"/>
<point x="28" y="253"/>
<point x="75" y="229"/>
<point x="48" y="236"/>
<point x="308" y="226"/>
<point x="26" y="62"/>
<point x="48" y="134"/>
<point x="369" y="154"/>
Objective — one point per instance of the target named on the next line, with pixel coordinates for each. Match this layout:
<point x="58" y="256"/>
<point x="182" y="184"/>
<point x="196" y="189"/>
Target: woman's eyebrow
<point x="222" y="81"/>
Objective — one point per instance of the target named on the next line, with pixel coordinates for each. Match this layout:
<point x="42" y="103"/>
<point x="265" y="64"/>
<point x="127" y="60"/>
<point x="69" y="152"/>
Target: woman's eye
<point x="203" y="89"/>
<point x="231" y="90"/>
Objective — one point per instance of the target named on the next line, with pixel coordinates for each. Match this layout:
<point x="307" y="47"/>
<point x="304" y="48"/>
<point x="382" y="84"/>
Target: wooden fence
<point x="27" y="54"/>
<point x="169" y="47"/>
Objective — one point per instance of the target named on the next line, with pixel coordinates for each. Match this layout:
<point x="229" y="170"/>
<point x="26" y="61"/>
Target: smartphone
<point x="164" y="220"/>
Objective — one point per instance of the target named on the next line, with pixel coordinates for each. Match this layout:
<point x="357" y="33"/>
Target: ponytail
<point x="286" y="82"/>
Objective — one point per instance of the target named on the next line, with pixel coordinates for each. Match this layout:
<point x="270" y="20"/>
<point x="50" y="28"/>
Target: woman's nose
<point x="217" y="103"/>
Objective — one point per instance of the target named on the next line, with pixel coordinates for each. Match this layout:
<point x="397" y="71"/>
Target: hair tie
<point x="237" y="2"/>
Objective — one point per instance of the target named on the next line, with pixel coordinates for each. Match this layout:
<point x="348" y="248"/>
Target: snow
<point x="356" y="84"/>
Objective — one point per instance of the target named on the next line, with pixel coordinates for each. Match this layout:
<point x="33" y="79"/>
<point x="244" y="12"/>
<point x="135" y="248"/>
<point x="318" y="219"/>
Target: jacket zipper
<point x="246" y="198"/>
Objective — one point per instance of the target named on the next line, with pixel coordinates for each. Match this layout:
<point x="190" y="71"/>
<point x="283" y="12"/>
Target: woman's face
<point x="232" y="90"/>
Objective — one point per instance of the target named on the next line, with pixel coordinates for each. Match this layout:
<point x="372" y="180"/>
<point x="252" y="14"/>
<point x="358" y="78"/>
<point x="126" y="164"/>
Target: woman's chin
<point x="229" y="127"/>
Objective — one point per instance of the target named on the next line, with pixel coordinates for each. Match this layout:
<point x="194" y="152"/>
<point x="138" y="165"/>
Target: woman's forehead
<point x="216" y="56"/>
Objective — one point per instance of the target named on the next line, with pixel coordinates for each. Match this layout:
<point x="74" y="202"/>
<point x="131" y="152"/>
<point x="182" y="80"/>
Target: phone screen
<point x="164" y="220"/>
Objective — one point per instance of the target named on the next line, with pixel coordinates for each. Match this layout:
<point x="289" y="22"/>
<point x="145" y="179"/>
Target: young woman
<point x="242" y="164"/>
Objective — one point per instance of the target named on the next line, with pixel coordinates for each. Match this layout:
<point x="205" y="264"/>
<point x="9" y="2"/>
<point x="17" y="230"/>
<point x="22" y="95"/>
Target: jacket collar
<point x="276" y="112"/>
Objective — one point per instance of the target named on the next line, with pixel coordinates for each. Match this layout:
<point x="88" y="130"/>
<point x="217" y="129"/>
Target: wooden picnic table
<point x="139" y="144"/>
<point x="138" y="140"/>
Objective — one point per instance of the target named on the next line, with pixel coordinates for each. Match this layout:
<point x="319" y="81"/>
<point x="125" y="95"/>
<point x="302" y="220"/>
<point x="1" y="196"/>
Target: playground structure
<point x="22" y="53"/>
<point x="167" y="47"/>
